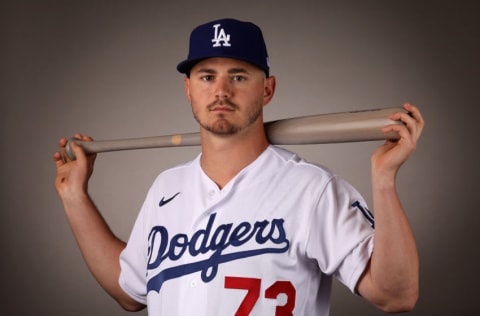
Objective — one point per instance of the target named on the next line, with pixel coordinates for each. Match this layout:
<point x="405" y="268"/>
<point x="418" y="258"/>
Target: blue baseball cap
<point x="228" y="38"/>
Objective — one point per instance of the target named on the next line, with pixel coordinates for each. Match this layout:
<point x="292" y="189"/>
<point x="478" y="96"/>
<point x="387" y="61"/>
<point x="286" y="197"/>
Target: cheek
<point x="198" y="105"/>
<point x="253" y="96"/>
<point x="196" y="94"/>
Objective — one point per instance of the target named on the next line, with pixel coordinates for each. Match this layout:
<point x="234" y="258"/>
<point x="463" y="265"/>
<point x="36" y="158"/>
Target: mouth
<point x="222" y="109"/>
<point x="222" y="106"/>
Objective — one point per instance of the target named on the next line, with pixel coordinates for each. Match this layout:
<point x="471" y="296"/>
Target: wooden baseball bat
<point x="338" y="127"/>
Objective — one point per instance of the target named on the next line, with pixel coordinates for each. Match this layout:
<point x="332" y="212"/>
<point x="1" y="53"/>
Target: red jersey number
<point x="253" y="293"/>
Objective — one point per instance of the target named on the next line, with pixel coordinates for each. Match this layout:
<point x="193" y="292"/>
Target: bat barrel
<point x="333" y="128"/>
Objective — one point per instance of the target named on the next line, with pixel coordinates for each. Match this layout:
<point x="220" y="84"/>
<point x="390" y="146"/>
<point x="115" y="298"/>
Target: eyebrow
<point x="237" y="70"/>
<point x="230" y="71"/>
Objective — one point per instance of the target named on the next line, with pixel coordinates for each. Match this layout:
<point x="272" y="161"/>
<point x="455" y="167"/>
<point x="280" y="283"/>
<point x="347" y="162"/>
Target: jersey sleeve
<point x="341" y="232"/>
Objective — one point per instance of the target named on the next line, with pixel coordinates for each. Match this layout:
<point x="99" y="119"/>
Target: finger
<point x="62" y="143"/>
<point x="406" y="137"/>
<point x="401" y="129"/>
<point x="417" y="116"/>
<point x="409" y="122"/>
<point x="414" y="111"/>
<point x="87" y="138"/>
<point x="410" y="119"/>
<point x="58" y="159"/>
<point x="405" y="117"/>
<point x="82" y="137"/>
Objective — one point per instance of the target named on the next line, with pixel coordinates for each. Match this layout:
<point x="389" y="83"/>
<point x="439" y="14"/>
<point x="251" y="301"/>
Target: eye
<point x="207" y="78"/>
<point x="239" y="78"/>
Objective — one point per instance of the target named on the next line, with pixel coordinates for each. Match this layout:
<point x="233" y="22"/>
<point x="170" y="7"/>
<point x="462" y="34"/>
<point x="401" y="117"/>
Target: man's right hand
<point x="73" y="175"/>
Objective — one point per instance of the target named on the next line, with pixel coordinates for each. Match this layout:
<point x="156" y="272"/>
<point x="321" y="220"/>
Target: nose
<point x="223" y="88"/>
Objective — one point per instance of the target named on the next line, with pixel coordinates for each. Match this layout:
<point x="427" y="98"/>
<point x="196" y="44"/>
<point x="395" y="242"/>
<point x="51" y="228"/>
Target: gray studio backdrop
<point x="107" y="68"/>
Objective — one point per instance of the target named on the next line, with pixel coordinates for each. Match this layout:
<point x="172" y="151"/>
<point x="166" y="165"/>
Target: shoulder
<point x="292" y="161"/>
<point x="176" y="175"/>
<point x="309" y="176"/>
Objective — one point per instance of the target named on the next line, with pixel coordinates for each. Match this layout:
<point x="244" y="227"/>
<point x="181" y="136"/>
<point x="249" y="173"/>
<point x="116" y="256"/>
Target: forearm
<point x="394" y="266"/>
<point x="99" y="247"/>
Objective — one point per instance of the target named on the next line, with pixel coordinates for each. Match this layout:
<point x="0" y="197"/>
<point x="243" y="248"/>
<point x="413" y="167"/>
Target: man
<point x="247" y="228"/>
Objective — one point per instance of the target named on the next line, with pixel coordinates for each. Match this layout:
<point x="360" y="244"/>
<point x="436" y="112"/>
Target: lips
<point x="222" y="106"/>
<point x="222" y="109"/>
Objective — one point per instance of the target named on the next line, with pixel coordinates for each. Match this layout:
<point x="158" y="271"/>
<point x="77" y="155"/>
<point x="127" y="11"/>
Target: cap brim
<point x="186" y="66"/>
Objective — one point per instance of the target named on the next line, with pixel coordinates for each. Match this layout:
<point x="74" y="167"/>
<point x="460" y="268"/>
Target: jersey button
<point x="193" y="283"/>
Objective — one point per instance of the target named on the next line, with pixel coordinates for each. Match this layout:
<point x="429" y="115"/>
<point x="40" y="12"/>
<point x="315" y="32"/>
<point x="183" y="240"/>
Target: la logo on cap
<point x="220" y="37"/>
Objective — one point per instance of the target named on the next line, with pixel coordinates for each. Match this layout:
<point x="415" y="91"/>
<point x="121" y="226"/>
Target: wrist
<point x="74" y="197"/>
<point x="384" y="180"/>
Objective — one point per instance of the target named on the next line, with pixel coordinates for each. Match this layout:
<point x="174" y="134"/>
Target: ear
<point x="269" y="89"/>
<point x="186" y="85"/>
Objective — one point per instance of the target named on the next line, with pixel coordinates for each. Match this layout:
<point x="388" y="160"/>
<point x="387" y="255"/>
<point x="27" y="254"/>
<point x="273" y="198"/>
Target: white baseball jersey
<point x="268" y="243"/>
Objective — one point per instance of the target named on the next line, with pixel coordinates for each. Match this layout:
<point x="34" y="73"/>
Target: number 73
<point x="253" y="293"/>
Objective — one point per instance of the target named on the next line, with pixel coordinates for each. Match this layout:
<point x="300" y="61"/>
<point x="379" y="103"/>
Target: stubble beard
<point x="222" y="126"/>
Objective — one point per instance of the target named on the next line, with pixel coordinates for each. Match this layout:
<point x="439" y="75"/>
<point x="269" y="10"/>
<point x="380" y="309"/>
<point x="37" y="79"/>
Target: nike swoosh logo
<point x="163" y="201"/>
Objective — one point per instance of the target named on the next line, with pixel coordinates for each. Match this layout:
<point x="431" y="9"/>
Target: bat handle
<point x="91" y="147"/>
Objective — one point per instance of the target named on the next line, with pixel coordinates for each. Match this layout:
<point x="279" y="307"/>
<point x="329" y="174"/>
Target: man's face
<point x="228" y="95"/>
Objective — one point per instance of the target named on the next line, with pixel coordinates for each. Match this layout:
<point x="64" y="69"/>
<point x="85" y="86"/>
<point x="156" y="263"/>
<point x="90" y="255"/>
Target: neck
<point x="223" y="157"/>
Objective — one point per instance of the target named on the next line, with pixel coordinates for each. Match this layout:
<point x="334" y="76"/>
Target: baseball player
<point x="247" y="228"/>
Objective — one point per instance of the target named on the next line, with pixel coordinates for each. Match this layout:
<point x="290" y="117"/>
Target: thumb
<point x="82" y="157"/>
<point x="76" y="152"/>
